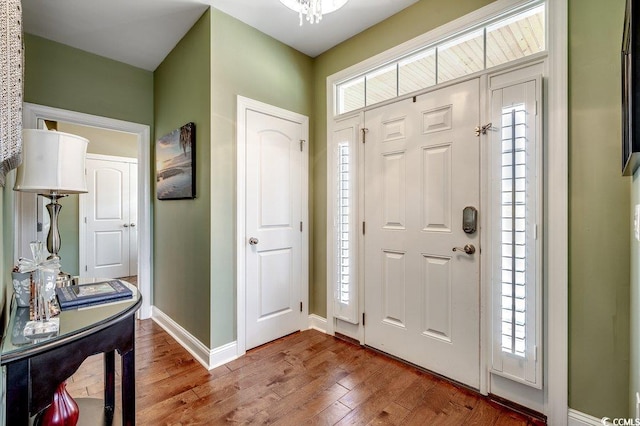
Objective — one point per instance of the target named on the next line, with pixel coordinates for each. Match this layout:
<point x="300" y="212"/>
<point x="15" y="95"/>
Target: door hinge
<point x="364" y="131"/>
<point x="363" y="321"/>
<point x="85" y="268"/>
<point x="85" y="219"/>
<point x="302" y="141"/>
<point x="482" y="129"/>
<point x="535" y="353"/>
<point x="39" y="227"/>
<point x="300" y="306"/>
<point x="363" y="227"/>
<point x="300" y="226"/>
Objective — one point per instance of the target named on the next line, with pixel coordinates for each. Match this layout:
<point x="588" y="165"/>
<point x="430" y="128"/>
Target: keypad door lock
<point x="470" y="220"/>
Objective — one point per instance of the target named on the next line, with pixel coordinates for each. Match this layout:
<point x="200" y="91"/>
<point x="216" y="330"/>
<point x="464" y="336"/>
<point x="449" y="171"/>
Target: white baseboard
<point x="577" y="418"/>
<point x="209" y="358"/>
<point x="317" y="323"/>
<point x="212" y="358"/>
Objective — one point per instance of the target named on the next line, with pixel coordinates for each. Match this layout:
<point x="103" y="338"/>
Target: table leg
<point x="18" y="393"/>
<point x="109" y="381"/>
<point x="128" y="388"/>
<point x="129" y="381"/>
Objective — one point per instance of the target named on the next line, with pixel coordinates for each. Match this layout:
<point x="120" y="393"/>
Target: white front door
<point x="274" y="197"/>
<point x="421" y="171"/>
<point x="110" y="219"/>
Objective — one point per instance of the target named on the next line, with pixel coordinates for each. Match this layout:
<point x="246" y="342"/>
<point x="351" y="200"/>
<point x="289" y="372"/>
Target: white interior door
<point x="421" y="171"/>
<point x="110" y="219"/>
<point x="274" y="194"/>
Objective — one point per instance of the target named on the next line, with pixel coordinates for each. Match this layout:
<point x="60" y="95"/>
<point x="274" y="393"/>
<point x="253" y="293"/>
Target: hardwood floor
<point x="304" y="378"/>
<point x="131" y="280"/>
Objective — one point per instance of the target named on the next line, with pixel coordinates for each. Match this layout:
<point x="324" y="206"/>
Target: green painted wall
<point x="104" y="141"/>
<point x="182" y="229"/>
<point x="248" y="63"/>
<point x="411" y="22"/>
<point x="599" y="230"/>
<point x="634" y="343"/>
<point x="60" y="76"/>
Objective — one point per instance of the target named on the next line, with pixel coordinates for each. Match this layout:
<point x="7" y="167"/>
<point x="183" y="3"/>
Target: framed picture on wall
<point x="175" y="164"/>
<point x="630" y="90"/>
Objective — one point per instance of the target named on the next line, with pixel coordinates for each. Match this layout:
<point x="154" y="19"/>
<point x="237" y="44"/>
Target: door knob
<point x="126" y="225"/>
<point x="469" y="249"/>
<point x="132" y="225"/>
<point x="253" y="241"/>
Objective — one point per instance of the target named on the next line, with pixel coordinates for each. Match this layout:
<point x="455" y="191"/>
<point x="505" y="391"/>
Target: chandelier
<point x="313" y="10"/>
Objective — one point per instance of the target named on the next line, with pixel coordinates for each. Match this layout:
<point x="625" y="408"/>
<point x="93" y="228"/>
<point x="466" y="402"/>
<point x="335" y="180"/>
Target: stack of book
<point x="76" y="296"/>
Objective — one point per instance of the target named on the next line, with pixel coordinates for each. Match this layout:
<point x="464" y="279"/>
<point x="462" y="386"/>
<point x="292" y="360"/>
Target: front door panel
<point x="421" y="171"/>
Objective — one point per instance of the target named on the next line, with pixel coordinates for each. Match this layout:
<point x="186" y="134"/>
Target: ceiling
<point x="142" y="32"/>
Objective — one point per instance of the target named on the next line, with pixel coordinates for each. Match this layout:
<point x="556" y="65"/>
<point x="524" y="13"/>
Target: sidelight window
<point x="344" y="201"/>
<point x="515" y="210"/>
<point x="345" y="251"/>
<point x="513" y="230"/>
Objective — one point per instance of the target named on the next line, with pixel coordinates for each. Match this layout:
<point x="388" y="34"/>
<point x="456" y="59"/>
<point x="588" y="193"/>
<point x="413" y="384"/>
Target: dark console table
<point x="35" y="368"/>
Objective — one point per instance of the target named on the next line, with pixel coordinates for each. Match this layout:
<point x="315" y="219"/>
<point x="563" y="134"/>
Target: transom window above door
<point x="508" y="37"/>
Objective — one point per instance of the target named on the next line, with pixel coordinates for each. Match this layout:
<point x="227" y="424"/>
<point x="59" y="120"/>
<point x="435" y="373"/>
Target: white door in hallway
<point x="110" y="218"/>
<point x="274" y="197"/>
<point x="421" y="171"/>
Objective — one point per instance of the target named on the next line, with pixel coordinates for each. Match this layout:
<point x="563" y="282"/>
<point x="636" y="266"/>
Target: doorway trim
<point x="244" y="105"/>
<point x="31" y="114"/>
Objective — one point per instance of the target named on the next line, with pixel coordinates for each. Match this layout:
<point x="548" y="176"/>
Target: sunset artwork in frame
<point x="175" y="164"/>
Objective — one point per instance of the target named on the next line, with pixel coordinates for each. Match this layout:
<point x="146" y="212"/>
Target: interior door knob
<point x="126" y="225"/>
<point x="253" y="241"/>
<point x="133" y="225"/>
<point x="469" y="249"/>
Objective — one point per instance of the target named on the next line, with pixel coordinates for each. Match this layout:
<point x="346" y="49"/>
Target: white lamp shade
<point x="52" y="163"/>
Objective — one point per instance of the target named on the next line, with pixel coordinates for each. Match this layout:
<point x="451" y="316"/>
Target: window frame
<point x="528" y="370"/>
<point x="446" y="41"/>
<point x="348" y="312"/>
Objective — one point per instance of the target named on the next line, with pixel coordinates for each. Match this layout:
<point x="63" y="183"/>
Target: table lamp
<point x="53" y="165"/>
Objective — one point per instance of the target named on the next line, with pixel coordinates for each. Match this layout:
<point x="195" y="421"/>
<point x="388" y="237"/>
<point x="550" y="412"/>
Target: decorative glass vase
<point x="44" y="273"/>
<point x="63" y="411"/>
<point x="22" y="288"/>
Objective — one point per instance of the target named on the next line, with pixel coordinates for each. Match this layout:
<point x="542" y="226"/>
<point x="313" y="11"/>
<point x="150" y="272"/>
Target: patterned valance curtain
<point x="11" y="70"/>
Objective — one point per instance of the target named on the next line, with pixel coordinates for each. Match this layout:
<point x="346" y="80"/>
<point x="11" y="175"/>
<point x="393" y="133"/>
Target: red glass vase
<point x="63" y="411"/>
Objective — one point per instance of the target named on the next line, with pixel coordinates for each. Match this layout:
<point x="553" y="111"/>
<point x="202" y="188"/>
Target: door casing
<point x="243" y="105"/>
<point x="24" y="204"/>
